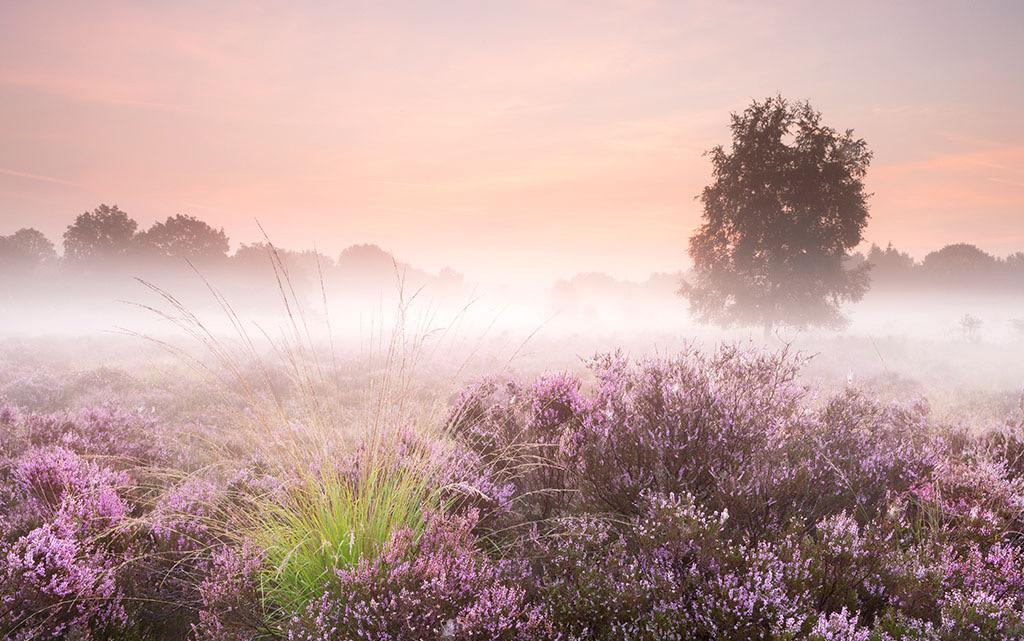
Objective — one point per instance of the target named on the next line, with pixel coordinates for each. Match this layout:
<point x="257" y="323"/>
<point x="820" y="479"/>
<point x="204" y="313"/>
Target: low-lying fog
<point x="960" y="349"/>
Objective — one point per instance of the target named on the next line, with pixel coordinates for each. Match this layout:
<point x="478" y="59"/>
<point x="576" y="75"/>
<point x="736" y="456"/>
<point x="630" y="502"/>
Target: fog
<point x="960" y="348"/>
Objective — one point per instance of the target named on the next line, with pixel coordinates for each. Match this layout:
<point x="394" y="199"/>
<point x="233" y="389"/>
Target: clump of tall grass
<point x="337" y="507"/>
<point x="331" y="522"/>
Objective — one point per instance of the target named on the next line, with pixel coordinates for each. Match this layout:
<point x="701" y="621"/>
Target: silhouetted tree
<point x="25" y="249"/>
<point x="251" y="256"/>
<point x="1015" y="270"/>
<point x="301" y="266"/>
<point x="961" y="264"/>
<point x="184" y="236"/>
<point x="889" y="259"/>
<point x="890" y="266"/>
<point x="367" y="260"/>
<point x="786" y="205"/>
<point x="369" y="267"/>
<point x="101" y="234"/>
<point x="853" y="261"/>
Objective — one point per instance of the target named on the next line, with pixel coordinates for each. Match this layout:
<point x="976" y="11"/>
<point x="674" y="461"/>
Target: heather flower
<point x="977" y="615"/>
<point x="230" y="608"/>
<point x="439" y="587"/>
<point x="57" y="583"/>
<point x="184" y="515"/>
<point x="123" y="438"/>
<point x="839" y="626"/>
<point x="61" y="574"/>
<point x="518" y="434"/>
<point x="971" y="501"/>
<point x="58" y="483"/>
<point x="701" y="496"/>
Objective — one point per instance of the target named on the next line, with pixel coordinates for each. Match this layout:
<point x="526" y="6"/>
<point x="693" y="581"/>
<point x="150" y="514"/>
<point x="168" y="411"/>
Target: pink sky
<point x="525" y="139"/>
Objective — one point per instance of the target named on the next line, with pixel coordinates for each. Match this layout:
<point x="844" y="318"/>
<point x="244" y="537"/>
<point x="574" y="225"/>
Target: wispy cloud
<point x="1004" y="181"/>
<point x="38" y="177"/>
<point x="94" y="91"/>
<point x="904" y="110"/>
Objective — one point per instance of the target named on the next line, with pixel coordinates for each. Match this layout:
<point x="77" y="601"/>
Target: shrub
<point x="859" y="453"/>
<point x="230" y="606"/>
<point x="713" y="427"/>
<point x="86" y="550"/>
<point x="439" y="587"/>
<point x="519" y="433"/>
<point x="122" y="438"/>
<point x="60" y="575"/>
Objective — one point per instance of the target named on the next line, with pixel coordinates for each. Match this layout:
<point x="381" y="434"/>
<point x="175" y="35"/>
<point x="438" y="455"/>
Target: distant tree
<point x="854" y="261"/>
<point x="969" y="327"/>
<point x="369" y="268"/>
<point x="786" y="206"/>
<point x="450" y="276"/>
<point x="26" y="248"/>
<point x="184" y="236"/>
<point x="367" y="261"/>
<point x="251" y="256"/>
<point x="960" y="264"/>
<point x="101" y="234"/>
<point x="890" y="266"/>
<point x="889" y="259"/>
<point x="1015" y="270"/>
<point x="260" y="257"/>
<point x="1018" y="325"/>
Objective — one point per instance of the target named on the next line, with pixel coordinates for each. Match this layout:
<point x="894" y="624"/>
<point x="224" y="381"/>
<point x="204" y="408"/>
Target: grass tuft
<point x="331" y="521"/>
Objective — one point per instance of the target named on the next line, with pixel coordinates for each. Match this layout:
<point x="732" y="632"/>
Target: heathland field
<point x="268" y="483"/>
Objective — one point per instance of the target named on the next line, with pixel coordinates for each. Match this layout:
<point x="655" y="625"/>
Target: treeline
<point x="960" y="267"/>
<point x="106" y="241"/>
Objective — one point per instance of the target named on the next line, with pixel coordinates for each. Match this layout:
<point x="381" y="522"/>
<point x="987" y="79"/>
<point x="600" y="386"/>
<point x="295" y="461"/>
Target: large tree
<point x="185" y="236"/>
<point x="100" y="235"/>
<point x="786" y="206"/>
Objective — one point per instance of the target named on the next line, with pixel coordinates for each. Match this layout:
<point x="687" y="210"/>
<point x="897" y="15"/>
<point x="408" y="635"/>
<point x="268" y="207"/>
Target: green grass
<point x="331" y="522"/>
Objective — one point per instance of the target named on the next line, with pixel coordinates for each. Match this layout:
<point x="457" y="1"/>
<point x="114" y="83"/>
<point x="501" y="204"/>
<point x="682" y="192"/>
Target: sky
<point x="508" y="140"/>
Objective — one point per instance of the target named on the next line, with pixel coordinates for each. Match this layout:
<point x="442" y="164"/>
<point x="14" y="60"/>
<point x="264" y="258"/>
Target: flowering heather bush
<point x="519" y="434"/>
<point x="441" y="587"/>
<point x="706" y="496"/>
<point x="35" y="390"/>
<point x="124" y="438"/>
<point x="85" y="550"/>
<point x="230" y="602"/>
<point x="838" y="519"/>
<point x="601" y="581"/>
<point x="714" y="428"/>
<point x="59" y="574"/>
<point x="858" y="452"/>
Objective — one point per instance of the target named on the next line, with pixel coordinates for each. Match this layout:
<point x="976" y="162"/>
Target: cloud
<point x="1003" y="181"/>
<point x="94" y="91"/>
<point x="38" y="177"/>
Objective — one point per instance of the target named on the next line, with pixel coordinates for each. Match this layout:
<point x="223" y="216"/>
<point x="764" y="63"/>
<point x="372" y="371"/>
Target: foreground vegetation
<point x="702" y="496"/>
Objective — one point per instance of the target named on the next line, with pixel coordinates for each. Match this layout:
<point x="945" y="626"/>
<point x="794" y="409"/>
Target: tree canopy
<point x="101" y="234"/>
<point x="786" y="205"/>
<point x="26" y="248"/>
<point x="184" y="236"/>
